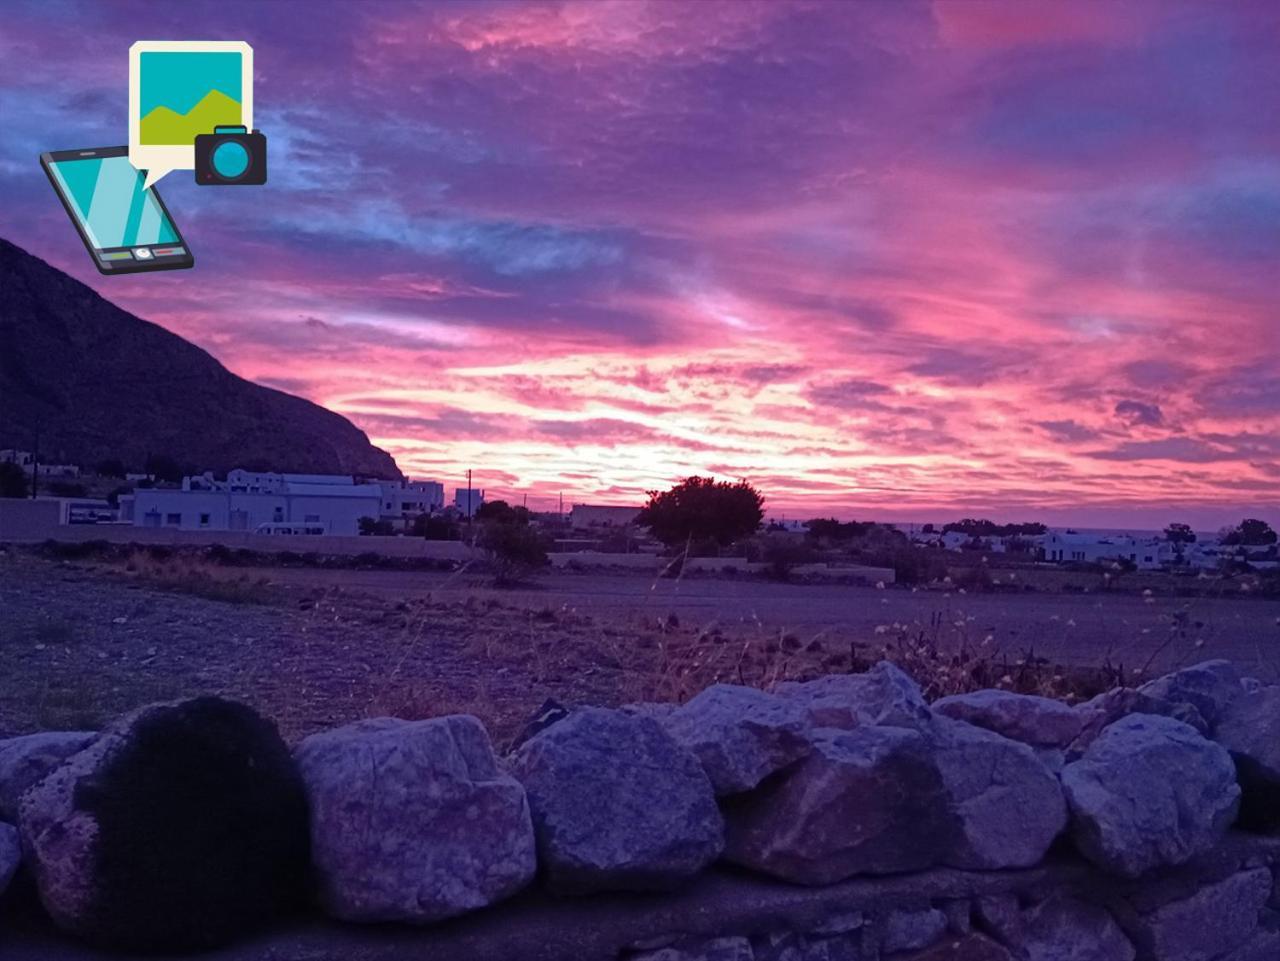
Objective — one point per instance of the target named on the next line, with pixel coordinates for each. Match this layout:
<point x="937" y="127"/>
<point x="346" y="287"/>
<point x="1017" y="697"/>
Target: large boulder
<point x="413" y="820"/>
<point x="10" y="854"/>
<point x="1038" y="721"/>
<point x="1249" y="727"/>
<point x="1009" y="806"/>
<point x="1100" y="712"/>
<point x="1211" y="922"/>
<point x="866" y="801"/>
<point x="617" y="803"/>
<point x="715" y="949"/>
<point x="910" y="930"/>
<point x="180" y="827"/>
<point x="967" y="947"/>
<point x="27" y="760"/>
<point x="1210" y="687"/>
<point x="1150" y="791"/>
<point x="883" y="695"/>
<point x="1063" y="928"/>
<point x="740" y="734"/>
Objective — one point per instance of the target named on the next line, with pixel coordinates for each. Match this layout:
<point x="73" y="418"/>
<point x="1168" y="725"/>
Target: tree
<point x="515" y="550"/>
<point x="165" y="468"/>
<point x="111" y="467"/>
<point x="13" y="480"/>
<point x="1179" y="534"/>
<point x="437" y="527"/>
<point x="501" y="512"/>
<point x="1250" y="532"/>
<point x="703" y="509"/>
<point x="782" y="553"/>
<point x="370" y="526"/>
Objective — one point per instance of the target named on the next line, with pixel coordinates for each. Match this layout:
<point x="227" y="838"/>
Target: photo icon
<point x="179" y="90"/>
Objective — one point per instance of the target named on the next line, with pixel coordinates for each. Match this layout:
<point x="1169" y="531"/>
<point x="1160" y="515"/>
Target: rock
<point x="789" y="946"/>
<point x="658" y="710"/>
<point x="1038" y="721"/>
<point x="1009" y="806"/>
<point x="999" y="915"/>
<point x="1215" y="919"/>
<point x="1209" y="687"/>
<point x="959" y="914"/>
<point x="617" y="804"/>
<point x="1262" y="945"/>
<point x="970" y="947"/>
<point x="25" y="761"/>
<point x="1250" y="729"/>
<point x="842" y="922"/>
<point x="866" y="801"/>
<point x="1065" y="929"/>
<point x="1148" y="792"/>
<point x="741" y="735"/>
<point x="10" y="854"/>
<point x="1108" y="707"/>
<point x="911" y="930"/>
<point x="717" y="949"/>
<point x="413" y="820"/>
<point x="549" y="713"/>
<point x="178" y="828"/>
<point x="883" y="695"/>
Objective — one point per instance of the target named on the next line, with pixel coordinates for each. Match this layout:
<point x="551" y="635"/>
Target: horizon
<point x="925" y="259"/>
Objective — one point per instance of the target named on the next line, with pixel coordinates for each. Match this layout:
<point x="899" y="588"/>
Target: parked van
<point x="289" y="527"/>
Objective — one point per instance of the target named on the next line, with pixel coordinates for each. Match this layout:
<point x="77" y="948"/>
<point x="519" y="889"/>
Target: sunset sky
<point x="883" y="259"/>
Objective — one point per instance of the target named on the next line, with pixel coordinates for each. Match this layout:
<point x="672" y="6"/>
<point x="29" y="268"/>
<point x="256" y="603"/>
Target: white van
<point x="289" y="527"/>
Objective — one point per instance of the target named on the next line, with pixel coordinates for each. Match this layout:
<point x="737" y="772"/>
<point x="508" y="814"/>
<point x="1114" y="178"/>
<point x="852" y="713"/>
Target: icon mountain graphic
<point x="165" y="126"/>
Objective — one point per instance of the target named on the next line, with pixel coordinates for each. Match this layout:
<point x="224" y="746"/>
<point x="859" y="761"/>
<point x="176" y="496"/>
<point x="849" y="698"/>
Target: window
<point x="204" y="520"/>
<point x="312" y="518"/>
<point x="174" y="519"/>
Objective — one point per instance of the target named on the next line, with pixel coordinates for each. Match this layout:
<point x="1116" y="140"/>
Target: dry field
<point x="82" y="641"/>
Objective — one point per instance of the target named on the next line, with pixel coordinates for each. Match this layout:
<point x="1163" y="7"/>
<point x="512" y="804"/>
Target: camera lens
<point x="230" y="159"/>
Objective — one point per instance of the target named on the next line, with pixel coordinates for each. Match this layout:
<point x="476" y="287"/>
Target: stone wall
<point x="840" y="819"/>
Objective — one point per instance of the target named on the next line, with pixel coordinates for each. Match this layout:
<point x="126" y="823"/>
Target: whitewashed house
<point x="256" y="502"/>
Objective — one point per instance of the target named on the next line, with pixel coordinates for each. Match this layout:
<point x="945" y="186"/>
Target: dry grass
<point x="185" y="573"/>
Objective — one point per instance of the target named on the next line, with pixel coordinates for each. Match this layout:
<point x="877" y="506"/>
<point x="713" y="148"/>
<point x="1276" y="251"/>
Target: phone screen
<point x="106" y="196"/>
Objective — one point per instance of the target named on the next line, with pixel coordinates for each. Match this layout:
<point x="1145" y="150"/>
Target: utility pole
<point x="468" y="495"/>
<point x="35" y="464"/>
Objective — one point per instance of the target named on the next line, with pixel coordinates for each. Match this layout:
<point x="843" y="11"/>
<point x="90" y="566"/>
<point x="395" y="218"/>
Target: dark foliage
<point x="703" y="509"/>
<point x="373" y="527"/>
<point x="202" y="829"/>
<point x="515" y="550"/>
<point x="1250" y="532"/>
<point x="976" y="527"/>
<point x="13" y="480"/>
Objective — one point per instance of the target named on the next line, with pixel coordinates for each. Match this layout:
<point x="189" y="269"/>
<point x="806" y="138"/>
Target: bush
<point x="782" y="553"/>
<point x="515" y="550"/>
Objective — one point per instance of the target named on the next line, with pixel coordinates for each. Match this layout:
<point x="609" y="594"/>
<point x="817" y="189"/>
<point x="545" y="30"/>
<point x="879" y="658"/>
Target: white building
<point x="25" y="460"/>
<point x="468" y="501"/>
<point x="248" y="501"/>
<point x="407" y="499"/>
<point x="1145" y="553"/>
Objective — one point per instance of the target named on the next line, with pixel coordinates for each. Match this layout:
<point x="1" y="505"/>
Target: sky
<point x="903" y="260"/>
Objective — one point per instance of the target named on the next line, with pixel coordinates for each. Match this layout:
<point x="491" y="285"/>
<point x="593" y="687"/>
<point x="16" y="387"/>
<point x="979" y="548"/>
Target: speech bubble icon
<point x="181" y="88"/>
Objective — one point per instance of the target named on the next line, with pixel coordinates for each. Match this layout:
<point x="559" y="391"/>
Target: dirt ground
<point x="81" y="642"/>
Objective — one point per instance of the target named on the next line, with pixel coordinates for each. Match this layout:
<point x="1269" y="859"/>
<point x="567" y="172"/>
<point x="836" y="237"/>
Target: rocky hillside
<point x="101" y="383"/>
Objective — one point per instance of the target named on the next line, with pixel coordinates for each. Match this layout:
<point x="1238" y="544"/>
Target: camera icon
<point x="231" y="155"/>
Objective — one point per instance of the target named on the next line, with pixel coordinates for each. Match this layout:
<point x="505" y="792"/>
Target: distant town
<point x="280" y="504"/>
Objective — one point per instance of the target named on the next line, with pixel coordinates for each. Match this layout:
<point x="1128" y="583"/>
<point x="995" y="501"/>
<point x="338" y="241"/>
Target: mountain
<point x="98" y="383"/>
<point x="163" y="125"/>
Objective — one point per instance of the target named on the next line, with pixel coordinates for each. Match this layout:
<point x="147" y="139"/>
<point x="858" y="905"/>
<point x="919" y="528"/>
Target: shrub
<point x="515" y="550"/>
<point x="782" y="553"/>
